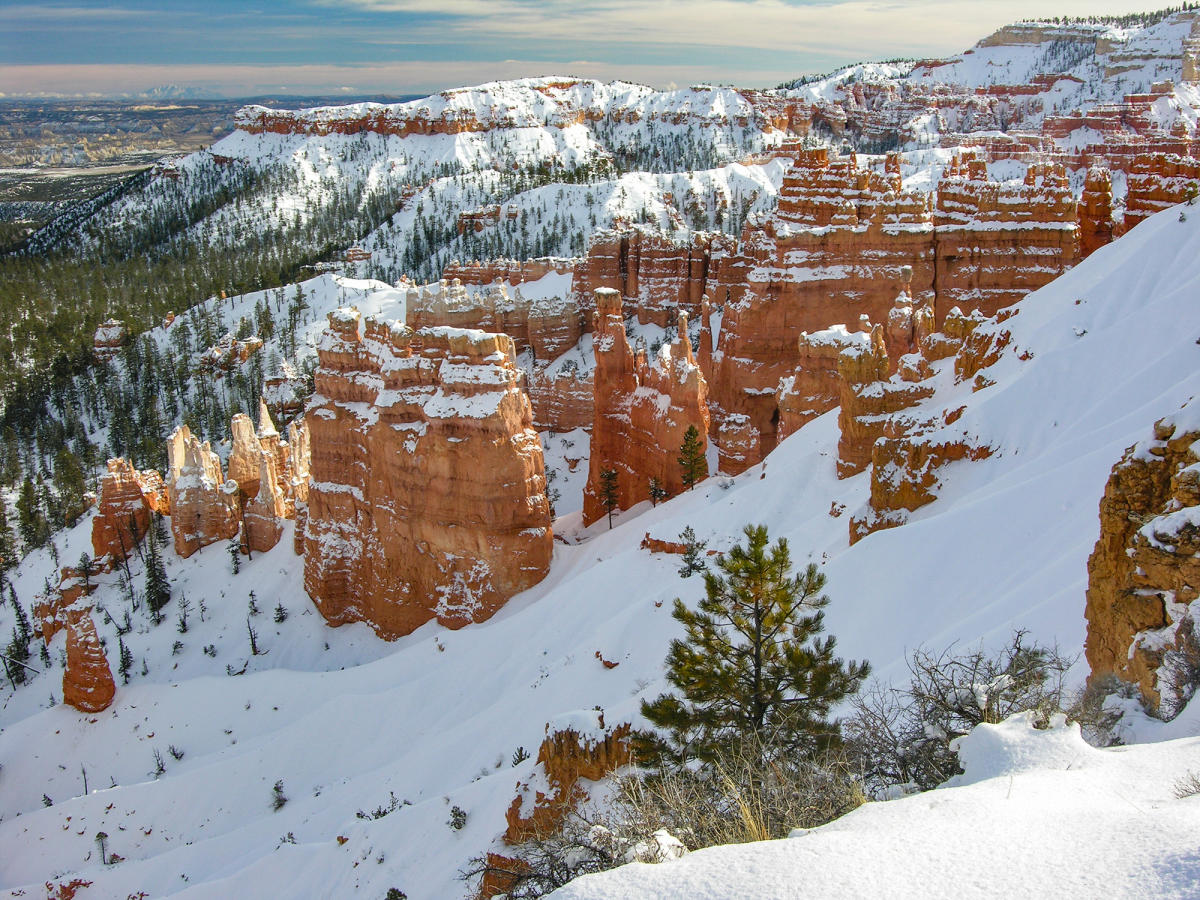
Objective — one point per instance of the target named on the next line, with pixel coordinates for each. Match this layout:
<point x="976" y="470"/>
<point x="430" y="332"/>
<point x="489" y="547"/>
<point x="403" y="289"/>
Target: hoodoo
<point x="428" y="492"/>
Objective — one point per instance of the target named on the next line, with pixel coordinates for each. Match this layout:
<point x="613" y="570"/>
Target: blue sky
<point x="80" y="47"/>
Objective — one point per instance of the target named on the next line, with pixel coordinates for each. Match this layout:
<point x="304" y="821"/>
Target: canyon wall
<point x="1144" y="573"/>
<point x="428" y="493"/>
<point x="643" y="409"/>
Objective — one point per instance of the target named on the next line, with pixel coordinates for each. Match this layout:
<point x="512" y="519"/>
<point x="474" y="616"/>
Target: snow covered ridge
<point x="524" y="103"/>
<point x="1036" y="814"/>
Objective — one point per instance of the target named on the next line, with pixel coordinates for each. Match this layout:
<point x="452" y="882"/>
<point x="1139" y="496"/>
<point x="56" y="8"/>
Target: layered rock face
<point x="1156" y="181"/>
<point x="566" y="757"/>
<point x="547" y="325"/>
<point x="428" y="493"/>
<point x="1144" y="573"/>
<point x="845" y="243"/>
<point x="642" y="410"/>
<point x="656" y="276"/>
<point x="107" y="340"/>
<point x="830" y="255"/>
<point x="87" y="680"/>
<point x="204" y="507"/>
<point x="562" y="401"/>
<point x="995" y="243"/>
<point x="128" y="498"/>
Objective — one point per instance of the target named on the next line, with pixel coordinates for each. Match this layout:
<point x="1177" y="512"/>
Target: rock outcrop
<point x="848" y="242"/>
<point x="428" y="493"/>
<point x="642" y="410"/>
<point x="204" y="506"/>
<point x="548" y="325"/>
<point x="87" y="680"/>
<point x="1144" y="573"/>
<point x="656" y="276"/>
<point x="107" y="340"/>
<point x="566" y="757"/>
<point x="128" y="500"/>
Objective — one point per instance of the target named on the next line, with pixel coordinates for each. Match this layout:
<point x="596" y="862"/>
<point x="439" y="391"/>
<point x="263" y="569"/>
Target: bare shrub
<point x="1188" y="785"/>
<point x="901" y="736"/>
<point x="1180" y="671"/>
<point x="749" y="793"/>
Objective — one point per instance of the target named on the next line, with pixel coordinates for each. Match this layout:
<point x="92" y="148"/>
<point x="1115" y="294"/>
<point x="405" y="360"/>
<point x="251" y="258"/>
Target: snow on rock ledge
<point x="428" y="493"/>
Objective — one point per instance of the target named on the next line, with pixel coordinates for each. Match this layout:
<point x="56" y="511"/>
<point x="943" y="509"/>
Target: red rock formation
<point x="737" y="445"/>
<point x="1096" y="224"/>
<point x="1157" y="181"/>
<point x="428" y="496"/>
<point x="107" y="340"/>
<point x="1144" y="573"/>
<point x="562" y="402"/>
<point x="127" y="500"/>
<point x="831" y="253"/>
<point x="869" y="401"/>
<point x="229" y="352"/>
<point x="204" y="507"/>
<point x="566" y="757"/>
<point x="834" y="250"/>
<point x="997" y="242"/>
<point x="656" y="275"/>
<point x="654" y="545"/>
<point x="905" y="471"/>
<point x="815" y="388"/>
<point x="547" y="325"/>
<point x="87" y="680"/>
<point x="642" y="410"/>
<point x="262" y="520"/>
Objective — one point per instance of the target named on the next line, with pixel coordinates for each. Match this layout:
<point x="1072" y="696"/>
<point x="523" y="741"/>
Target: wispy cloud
<point x="855" y="28"/>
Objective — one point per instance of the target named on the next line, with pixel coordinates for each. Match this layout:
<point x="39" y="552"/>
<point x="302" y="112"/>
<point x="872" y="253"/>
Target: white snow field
<point x="345" y="721"/>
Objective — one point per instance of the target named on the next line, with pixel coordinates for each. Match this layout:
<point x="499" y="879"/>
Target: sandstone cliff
<point x="428" y="495"/>
<point x="1144" y="574"/>
<point x="642" y="409"/>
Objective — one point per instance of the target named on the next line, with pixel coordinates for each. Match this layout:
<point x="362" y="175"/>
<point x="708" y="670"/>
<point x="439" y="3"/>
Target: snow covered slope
<point x="435" y="718"/>
<point x="1037" y="814"/>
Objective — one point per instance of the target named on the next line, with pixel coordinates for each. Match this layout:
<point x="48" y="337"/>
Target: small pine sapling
<point x="657" y="492"/>
<point x="281" y="612"/>
<point x="693" y="556"/>
<point x="608" y="492"/>
<point x="693" y="466"/>
<point x="278" y="797"/>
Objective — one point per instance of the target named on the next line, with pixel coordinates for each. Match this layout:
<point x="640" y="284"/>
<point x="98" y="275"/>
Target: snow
<point x="1037" y="814"/>
<point x="365" y="718"/>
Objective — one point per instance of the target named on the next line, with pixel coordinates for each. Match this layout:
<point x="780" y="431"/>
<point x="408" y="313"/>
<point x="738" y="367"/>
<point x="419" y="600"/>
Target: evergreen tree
<point x="608" y="492"/>
<point x="125" y="659"/>
<point x="8" y="547"/>
<point x="751" y="667"/>
<point x="693" y="556"/>
<point x="656" y="492"/>
<point x="158" y="589"/>
<point x="693" y="466"/>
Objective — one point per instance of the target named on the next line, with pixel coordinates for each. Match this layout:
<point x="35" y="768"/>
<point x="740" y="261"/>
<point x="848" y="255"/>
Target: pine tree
<point x="158" y="589"/>
<point x="693" y="556"/>
<point x="125" y="658"/>
<point x="656" y="492"/>
<point x="608" y="492"/>
<point x="751" y="667"/>
<point x="693" y="466"/>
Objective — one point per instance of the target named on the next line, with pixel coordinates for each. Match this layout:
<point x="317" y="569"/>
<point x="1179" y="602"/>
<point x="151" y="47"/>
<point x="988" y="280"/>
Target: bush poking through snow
<point x="278" y="797"/>
<point x="1188" y="785"/>
<point x="901" y="736"/>
<point x="458" y="818"/>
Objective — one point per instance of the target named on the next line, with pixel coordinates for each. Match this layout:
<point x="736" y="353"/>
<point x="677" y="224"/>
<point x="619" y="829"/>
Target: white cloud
<point x="854" y="29"/>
